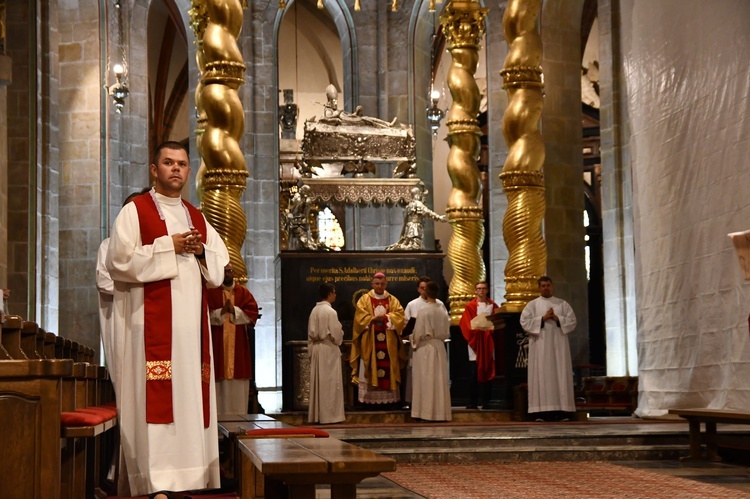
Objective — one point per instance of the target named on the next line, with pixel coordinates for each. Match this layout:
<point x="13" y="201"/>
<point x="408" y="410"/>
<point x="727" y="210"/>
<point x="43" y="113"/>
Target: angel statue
<point x="412" y="232"/>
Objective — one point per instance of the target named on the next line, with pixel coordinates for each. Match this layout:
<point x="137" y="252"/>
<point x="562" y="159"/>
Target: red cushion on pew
<point x="271" y="432"/>
<point x="80" y="418"/>
<point x="105" y="412"/>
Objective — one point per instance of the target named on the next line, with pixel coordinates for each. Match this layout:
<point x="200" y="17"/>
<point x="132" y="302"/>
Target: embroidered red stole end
<point x="382" y="357"/>
<point x="157" y="329"/>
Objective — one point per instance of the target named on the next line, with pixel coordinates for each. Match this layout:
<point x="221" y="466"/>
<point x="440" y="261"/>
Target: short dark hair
<point x="432" y="289"/>
<point x="134" y="195"/>
<point x="170" y="144"/>
<point x="542" y="279"/>
<point x="422" y="279"/>
<point x="482" y="282"/>
<point x="325" y="290"/>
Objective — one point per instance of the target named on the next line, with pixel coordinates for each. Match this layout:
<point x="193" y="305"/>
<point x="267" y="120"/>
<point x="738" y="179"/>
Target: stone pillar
<point x="617" y="200"/>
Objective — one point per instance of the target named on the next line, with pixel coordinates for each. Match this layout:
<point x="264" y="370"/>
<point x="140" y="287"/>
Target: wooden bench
<point x="273" y="467"/>
<point x="710" y="417"/>
<point x="252" y="426"/>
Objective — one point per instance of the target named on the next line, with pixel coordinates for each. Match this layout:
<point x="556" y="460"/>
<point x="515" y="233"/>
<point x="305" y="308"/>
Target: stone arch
<point x="345" y="26"/>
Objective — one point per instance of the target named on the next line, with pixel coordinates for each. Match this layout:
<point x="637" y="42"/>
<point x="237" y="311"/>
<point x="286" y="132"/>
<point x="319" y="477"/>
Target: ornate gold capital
<point x="463" y="23"/>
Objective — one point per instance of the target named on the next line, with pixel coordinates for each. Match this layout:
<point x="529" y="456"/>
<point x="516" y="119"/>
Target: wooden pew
<point x="28" y="340"/>
<point x="296" y="465"/>
<point x="710" y="438"/>
<point x="30" y="398"/>
<point x="11" y="337"/>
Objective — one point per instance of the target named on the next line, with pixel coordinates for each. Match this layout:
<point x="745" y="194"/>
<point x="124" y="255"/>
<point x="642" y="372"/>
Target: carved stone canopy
<point x="351" y="191"/>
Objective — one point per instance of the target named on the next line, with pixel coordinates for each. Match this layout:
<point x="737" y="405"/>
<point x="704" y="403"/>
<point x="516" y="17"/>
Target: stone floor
<point x="731" y="476"/>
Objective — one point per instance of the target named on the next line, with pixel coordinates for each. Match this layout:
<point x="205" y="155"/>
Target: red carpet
<point x="548" y="480"/>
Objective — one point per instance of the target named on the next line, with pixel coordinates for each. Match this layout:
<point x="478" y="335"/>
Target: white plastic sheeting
<point x="687" y="83"/>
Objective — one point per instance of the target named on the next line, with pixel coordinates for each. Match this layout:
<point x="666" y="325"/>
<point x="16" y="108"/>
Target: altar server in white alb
<point x="324" y="337"/>
<point x="549" y="320"/>
<point x="162" y="256"/>
<point x="431" y="398"/>
<point x="106" y="300"/>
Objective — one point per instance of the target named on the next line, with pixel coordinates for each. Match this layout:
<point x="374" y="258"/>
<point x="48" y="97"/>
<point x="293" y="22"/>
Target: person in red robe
<point x="478" y="334"/>
<point x="234" y="312"/>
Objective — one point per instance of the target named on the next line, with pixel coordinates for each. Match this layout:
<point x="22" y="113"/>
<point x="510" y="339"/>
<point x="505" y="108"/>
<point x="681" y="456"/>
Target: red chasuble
<point x="157" y="325"/>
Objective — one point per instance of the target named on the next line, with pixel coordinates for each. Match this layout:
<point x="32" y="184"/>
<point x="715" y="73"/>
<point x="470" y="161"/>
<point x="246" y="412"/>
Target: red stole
<point x="157" y="325"/>
<point x="382" y="358"/>
<point x="482" y="342"/>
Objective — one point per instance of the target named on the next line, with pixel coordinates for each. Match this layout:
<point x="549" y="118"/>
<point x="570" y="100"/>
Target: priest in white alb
<point x="549" y="320"/>
<point x="162" y="256"/>
<point x="431" y="398"/>
<point x="324" y="338"/>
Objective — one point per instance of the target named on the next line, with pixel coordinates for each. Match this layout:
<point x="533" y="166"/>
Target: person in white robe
<point x="431" y="398"/>
<point x="182" y="454"/>
<point x="411" y="311"/>
<point x="549" y="320"/>
<point x="106" y="288"/>
<point x="324" y="338"/>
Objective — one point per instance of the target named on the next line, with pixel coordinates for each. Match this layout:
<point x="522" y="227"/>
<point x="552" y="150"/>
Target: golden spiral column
<point x="198" y="21"/>
<point x="225" y="176"/>
<point x="463" y="26"/>
<point x="522" y="176"/>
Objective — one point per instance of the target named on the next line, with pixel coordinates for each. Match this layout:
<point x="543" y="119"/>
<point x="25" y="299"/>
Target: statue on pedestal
<point x="297" y="218"/>
<point x="412" y="232"/>
<point x="288" y="116"/>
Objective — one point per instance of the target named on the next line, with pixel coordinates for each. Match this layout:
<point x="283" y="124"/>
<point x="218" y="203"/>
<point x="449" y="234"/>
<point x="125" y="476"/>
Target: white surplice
<point x="431" y="398"/>
<point x="550" y="367"/>
<point x="324" y="336"/>
<point x="183" y="455"/>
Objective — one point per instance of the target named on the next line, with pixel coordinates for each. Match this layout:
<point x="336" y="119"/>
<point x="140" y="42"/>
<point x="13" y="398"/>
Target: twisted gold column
<point x="198" y="21"/>
<point x="222" y="182"/>
<point x="522" y="176"/>
<point x="463" y="26"/>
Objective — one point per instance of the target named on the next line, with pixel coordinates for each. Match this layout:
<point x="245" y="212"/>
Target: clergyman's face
<point x="422" y="289"/>
<point x="171" y="172"/>
<point x="378" y="285"/>
<point x="228" y="275"/>
<point x="480" y="290"/>
<point x="545" y="289"/>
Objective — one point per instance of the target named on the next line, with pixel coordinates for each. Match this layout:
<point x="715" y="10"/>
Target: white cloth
<point x="482" y="309"/>
<point x="325" y="335"/>
<point x="232" y="396"/>
<point x="550" y="366"/>
<point x="106" y="288"/>
<point x="431" y="398"/>
<point x="183" y="455"/>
